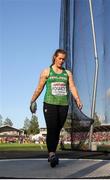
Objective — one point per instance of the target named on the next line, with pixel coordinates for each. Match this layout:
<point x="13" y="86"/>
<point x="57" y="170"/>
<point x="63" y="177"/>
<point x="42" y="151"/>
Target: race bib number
<point x="58" y="89"/>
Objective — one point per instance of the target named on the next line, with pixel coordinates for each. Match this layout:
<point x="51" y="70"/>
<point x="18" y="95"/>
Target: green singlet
<point x="57" y="88"/>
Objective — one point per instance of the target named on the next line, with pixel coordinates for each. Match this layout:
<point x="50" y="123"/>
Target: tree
<point x="8" y="122"/>
<point x="96" y="120"/>
<point x="26" y="125"/>
<point x="34" y="126"/>
<point x="1" y="120"/>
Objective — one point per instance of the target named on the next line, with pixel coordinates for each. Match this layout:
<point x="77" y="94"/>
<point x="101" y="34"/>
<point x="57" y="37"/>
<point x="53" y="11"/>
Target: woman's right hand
<point x="33" y="107"/>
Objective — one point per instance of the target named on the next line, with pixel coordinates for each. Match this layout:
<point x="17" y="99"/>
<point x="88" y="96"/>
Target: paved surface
<point x="40" y="168"/>
<point x="73" y="165"/>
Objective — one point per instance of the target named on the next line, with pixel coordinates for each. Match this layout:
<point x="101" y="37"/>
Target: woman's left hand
<point x="79" y="103"/>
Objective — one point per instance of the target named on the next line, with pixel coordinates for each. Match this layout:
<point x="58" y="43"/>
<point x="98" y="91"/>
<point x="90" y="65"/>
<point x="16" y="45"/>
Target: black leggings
<point x="55" y="117"/>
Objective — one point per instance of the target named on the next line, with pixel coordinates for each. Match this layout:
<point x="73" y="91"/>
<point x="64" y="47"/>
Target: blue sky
<point x="29" y="35"/>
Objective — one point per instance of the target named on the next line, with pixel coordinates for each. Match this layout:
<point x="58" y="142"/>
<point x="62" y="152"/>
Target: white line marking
<point x="45" y="159"/>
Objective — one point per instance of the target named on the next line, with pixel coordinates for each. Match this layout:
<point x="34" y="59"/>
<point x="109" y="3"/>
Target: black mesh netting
<point x="76" y="38"/>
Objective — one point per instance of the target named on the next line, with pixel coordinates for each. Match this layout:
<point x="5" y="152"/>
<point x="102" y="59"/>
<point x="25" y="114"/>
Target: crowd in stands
<point x="20" y="139"/>
<point x="75" y="137"/>
<point x="84" y="136"/>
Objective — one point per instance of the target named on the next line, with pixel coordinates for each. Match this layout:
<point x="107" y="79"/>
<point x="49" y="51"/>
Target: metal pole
<point x="95" y="75"/>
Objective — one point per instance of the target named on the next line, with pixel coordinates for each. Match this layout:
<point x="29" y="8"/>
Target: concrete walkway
<point x="68" y="168"/>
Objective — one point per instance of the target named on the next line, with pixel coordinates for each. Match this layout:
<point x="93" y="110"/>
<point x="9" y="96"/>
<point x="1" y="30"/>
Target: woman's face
<point x="59" y="59"/>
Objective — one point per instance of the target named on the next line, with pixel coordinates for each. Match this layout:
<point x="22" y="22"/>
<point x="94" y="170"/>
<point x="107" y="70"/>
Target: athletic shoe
<point x="53" y="160"/>
<point x="56" y="158"/>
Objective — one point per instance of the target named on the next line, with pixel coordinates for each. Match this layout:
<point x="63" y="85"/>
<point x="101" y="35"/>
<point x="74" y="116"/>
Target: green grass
<point x="22" y="147"/>
<point x="37" y="147"/>
<point x="104" y="148"/>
